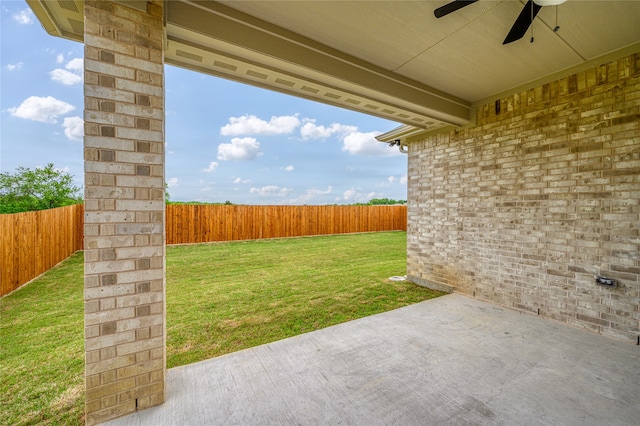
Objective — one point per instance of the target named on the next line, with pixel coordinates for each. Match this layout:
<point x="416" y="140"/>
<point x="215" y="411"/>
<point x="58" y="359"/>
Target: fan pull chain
<point x="531" y="41"/>
<point x="557" y="27"/>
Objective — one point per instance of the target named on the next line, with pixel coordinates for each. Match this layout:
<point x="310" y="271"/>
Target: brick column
<point x="124" y="209"/>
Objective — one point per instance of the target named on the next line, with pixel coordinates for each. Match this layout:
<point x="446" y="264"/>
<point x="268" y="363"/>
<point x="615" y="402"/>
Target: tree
<point x="385" y="201"/>
<point x="38" y="189"/>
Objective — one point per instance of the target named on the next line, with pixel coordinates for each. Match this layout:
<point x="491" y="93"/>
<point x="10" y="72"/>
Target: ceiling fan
<point x="520" y="26"/>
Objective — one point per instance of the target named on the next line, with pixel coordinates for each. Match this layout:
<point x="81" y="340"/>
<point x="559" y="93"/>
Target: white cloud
<point x="240" y="180"/>
<point x="271" y="190"/>
<point x="252" y="125"/>
<point x="76" y="64"/>
<point x="60" y="58"/>
<point x="25" y="16"/>
<point x="212" y="167"/>
<point x="353" y="196"/>
<point x="240" y="149"/>
<point x="311" y="194"/>
<point x="401" y="180"/>
<point x="288" y="168"/>
<point x="14" y="67"/>
<point x="65" y="77"/>
<point x="354" y="142"/>
<point x="310" y="130"/>
<point x="71" y="75"/>
<point x="348" y="194"/>
<point x="358" y="143"/>
<point x="74" y="128"/>
<point x="45" y="110"/>
<point x="173" y="182"/>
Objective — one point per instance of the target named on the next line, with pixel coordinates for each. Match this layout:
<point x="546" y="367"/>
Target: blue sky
<point x="224" y="141"/>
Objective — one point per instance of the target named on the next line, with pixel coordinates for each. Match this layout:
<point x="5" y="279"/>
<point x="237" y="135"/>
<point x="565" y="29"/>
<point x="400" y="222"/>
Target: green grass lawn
<point x="221" y="298"/>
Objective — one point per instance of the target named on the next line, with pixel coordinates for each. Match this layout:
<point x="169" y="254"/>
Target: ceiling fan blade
<point x="520" y="27"/>
<point x="452" y="7"/>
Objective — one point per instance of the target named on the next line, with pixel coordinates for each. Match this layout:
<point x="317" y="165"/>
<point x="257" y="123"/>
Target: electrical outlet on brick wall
<point x="610" y="282"/>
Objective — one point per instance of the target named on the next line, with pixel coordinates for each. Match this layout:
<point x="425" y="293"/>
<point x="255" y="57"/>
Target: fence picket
<point x="33" y="242"/>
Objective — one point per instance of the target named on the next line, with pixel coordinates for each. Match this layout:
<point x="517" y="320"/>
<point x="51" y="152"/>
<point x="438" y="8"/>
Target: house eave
<point x="405" y="134"/>
<point x="213" y="38"/>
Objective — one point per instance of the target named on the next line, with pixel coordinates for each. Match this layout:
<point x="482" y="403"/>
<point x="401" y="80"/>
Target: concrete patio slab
<point x="451" y="360"/>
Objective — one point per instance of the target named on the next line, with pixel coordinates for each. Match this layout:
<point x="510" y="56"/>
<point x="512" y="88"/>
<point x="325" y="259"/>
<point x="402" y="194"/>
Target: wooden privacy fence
<point x="188" y="223"/>
<point x="33" y="242"/>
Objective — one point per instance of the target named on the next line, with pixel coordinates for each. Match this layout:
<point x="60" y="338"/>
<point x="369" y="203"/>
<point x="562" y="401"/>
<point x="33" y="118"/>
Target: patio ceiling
<point x="391" y="59"/>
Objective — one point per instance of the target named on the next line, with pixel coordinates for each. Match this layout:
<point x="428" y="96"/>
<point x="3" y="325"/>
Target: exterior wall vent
<point x="188" y="55"/>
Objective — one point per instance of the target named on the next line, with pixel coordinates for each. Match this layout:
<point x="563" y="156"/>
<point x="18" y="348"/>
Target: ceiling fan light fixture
<point x="548" y="2"/>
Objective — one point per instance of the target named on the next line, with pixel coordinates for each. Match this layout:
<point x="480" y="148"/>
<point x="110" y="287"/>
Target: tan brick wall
<point x="525" y="207"/>
<point x="124" y="209"/>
